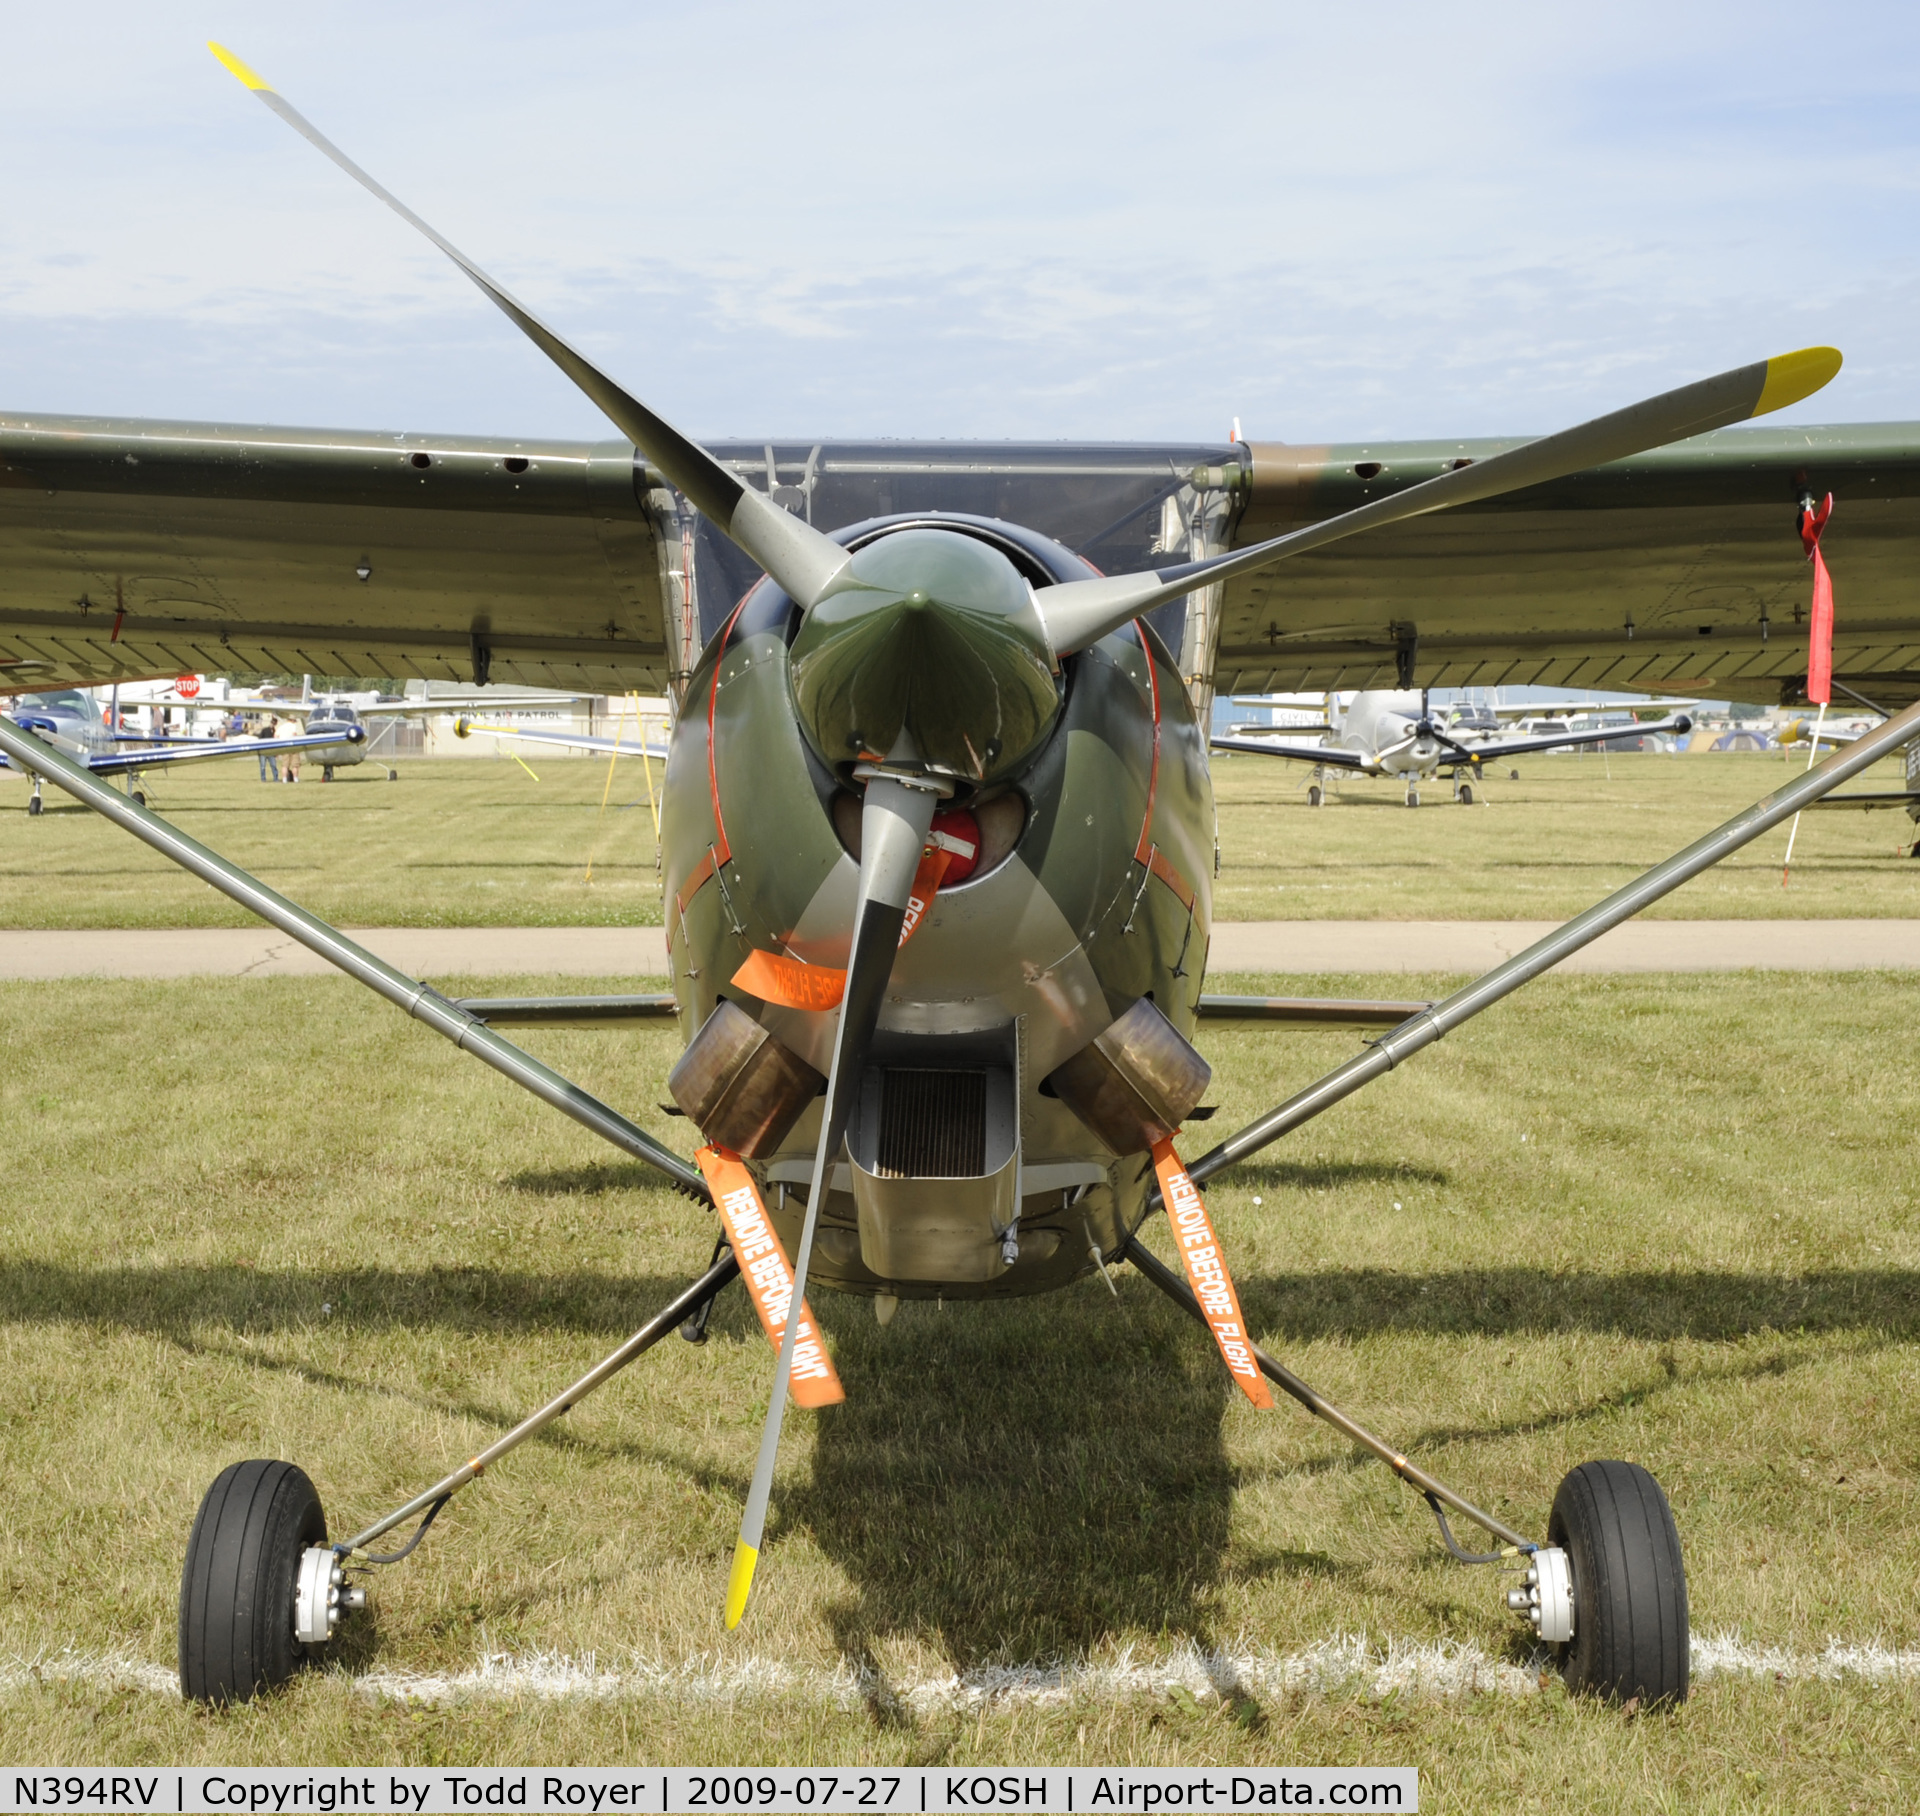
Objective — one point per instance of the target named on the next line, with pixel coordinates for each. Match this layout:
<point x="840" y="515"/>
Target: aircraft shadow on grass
<point x="1284" y="1309"/>
<point x="1005" y="1482"/>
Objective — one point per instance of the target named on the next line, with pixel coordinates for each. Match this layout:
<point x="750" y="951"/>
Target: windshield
<point x="65" y="700"/>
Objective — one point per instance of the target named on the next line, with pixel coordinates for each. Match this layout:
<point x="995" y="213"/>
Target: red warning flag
<point x="1207" y="1272"/>
<point x="791" y="984"/>
<point x="1820" y="632"/>
<point x="763" y="1266"/>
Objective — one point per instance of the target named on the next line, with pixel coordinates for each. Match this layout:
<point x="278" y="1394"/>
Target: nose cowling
<point x="932" y="633"/>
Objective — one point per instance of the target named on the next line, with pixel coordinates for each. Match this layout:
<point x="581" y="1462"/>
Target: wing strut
<point x="425" y="1004"/>
<point x="1426" y="1027"/>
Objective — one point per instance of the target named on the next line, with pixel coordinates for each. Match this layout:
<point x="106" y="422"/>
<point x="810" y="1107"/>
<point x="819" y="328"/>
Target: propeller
<point x="802" y="560"/>
<point x="1429" y="727"/>
<point x="1081" y="612"/>
<point x="895" y="818"/>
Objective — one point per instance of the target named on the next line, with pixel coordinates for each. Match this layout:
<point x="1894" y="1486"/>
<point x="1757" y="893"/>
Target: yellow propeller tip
<point x="740" y="1580"/>
<point x="239" y="69"/>
<point x="1792" y="376"/>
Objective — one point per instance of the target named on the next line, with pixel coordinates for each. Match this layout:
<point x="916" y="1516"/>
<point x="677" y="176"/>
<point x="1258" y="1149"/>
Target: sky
<point x="1045" y="220"/>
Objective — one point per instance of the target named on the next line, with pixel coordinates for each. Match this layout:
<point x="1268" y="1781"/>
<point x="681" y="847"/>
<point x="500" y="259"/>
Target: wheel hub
<point x="1547" y="1600"/>
<point x="321" y="1595"/>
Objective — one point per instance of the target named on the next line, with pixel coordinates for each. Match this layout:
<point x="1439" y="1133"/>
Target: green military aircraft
<point x="937" y="821"/>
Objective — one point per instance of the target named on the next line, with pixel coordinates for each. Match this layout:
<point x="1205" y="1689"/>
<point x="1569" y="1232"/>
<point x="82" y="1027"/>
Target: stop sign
<point x="187" y="686"/>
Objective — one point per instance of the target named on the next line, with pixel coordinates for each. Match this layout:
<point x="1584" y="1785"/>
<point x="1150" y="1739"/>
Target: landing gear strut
<point x="263" y="1591"/>
<point x="1608" y="1591"/>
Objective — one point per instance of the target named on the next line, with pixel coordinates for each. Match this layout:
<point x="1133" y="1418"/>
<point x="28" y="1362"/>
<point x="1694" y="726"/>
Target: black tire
<point x="1314" y="797"/>
<point x="1513" y="775"/>
<point x="139" y="797"/>
<point x="326" y="772"/>
<point x="393" y="775"/>
<point x="236" y="1593"/>
<point x="1629" y="1585"/>
<point x="1466" y="794"/>
<point x="1413" y="797"/>
<point x="35" y="804"/>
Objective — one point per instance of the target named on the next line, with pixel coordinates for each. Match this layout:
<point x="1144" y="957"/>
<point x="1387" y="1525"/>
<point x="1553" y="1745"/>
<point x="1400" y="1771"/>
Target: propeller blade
<point x="1081" y="612"/>
<point x="798" y="556"/>
<point x="895" y="819"/>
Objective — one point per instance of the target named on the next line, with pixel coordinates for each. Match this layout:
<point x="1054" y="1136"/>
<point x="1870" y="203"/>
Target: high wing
<point x="137" y="549"/>
<point x="145" y="549"/>
<point x="1329" y="756"/>
<point x="1676" y="571"/>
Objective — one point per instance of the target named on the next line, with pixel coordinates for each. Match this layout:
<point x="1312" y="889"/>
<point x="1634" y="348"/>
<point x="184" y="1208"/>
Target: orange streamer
<point x="1207" y="1272"/>
<point x="763" y="1266"/>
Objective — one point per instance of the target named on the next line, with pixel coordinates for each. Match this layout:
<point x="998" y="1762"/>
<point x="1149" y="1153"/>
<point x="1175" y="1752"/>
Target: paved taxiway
<point x="1258" y="946"/>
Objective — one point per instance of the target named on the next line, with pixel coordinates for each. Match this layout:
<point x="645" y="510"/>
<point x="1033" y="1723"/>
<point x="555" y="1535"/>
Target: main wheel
<point x="34" y="804"/>
<point x="326" y="772"/>
<point x="393" y="775"/>
<point x="236" y="1593"/>
<point x="1413" y="797"/>
<point x="1465" y="796"/>
<point x="140" y="797"/>
<point x="1314" y="796"/>
<point x="1629" y="1585"/>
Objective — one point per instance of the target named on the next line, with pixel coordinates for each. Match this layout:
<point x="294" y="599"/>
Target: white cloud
<point x="1116" y="220"/>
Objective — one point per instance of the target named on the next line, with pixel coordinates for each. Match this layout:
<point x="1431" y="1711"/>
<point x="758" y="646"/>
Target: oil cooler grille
<point x="933" y="1124"/>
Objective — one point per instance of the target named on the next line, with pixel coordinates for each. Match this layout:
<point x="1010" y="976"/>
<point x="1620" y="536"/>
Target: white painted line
<point x="1348" y="1665"/>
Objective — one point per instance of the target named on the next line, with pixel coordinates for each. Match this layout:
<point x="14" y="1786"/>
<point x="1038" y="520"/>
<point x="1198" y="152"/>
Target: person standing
<point x="269" y="767"/>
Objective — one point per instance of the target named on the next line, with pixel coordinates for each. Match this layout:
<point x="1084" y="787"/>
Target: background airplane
<point x="71" y="719"/>
<point x="1396" y="733"/>
<point x="348" y="721"/>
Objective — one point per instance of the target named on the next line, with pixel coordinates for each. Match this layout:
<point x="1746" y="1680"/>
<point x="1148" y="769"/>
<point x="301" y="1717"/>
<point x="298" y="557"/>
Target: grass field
<point x="1548" y="845"/>
<point x="456" y="842"/>
<point x="1665" y="1218"/>
<point x="481" y="842"/>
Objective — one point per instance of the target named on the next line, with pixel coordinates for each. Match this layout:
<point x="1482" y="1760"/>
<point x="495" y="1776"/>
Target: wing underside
<point x="132" y="549"/>
<point x="139" y="549"/>
<point x="1679" y="571"/>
